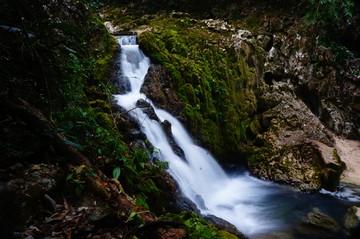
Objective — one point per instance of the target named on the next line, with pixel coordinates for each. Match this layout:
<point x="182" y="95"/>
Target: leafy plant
<point x="77" y="177"/>
<point x="329" y="16"/>
<point x="134" y="216"/>
<point x="329" y="12"/>
<point x="94" y="4"/>
<point x="340" y="52"/>
<point x="197" y="227"/>
<point x="356" y="71"/>
<point x="116" y="172"/>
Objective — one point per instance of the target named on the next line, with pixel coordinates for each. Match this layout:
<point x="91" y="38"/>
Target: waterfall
<point x="252" y="205"/>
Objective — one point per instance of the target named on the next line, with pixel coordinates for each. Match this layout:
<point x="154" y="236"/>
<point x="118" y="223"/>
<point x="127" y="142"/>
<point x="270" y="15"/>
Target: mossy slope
<point x="215" y="82"/>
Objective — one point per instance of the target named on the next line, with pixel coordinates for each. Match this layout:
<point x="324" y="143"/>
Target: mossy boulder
<point x="215" y="81"/>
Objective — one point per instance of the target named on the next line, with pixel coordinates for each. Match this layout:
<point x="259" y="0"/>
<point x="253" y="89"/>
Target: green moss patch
<point x="209" y="77"/>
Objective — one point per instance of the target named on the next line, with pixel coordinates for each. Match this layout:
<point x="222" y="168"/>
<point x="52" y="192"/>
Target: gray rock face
<point x="327" y="90"/>
<point x="303" y="98"/>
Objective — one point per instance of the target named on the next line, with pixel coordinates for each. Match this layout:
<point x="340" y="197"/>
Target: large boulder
<point x="328" y="89"/>
<point x="304" y="97"/>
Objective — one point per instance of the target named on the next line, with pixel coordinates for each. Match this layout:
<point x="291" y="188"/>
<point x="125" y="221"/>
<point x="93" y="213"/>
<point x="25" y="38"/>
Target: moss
<point x="212" y="132"/>
<point x="227" y="235"/>
<point x="214" y="82"/>
<point x="254" y="126"/>
<point x="330" y="175"/>
<point x="336" y="157"/>
<point x="104" y="120"/>
<point x="100" y="105"/>
<point x="259" y="156"/>
<point x="197" y="227"/>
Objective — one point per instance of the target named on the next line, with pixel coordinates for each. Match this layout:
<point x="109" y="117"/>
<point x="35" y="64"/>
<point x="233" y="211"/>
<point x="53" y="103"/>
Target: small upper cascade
<point x="128" y="40"/>
<point x="134" y="66"/>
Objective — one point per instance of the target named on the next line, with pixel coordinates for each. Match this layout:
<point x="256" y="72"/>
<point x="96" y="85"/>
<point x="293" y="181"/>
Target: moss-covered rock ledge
<point x="215" y="82"/>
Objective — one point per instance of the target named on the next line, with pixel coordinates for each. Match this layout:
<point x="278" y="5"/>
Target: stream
<point x="258" y="208"/>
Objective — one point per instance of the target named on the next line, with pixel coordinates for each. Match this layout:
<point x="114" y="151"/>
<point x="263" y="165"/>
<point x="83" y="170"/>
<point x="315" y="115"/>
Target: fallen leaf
<point x="55" y="217"/>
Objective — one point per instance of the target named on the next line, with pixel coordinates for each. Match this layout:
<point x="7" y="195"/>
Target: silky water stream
<point x="257" y="208"/>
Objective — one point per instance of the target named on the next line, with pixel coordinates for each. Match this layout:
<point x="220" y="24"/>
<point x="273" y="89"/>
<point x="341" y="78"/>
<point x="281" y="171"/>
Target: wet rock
<point x="240" y="36"/>
<point x="299" y="166"/>
<point x="320" y="219"/>
<point x="351" y="219"/>
<point x="175" y="147"/>
<point x="176" y="201"/>
<point x="200" y="201"/>
<point x="121" y="83"/>
<point x="37" y="180"/>
<point x="157" y="86"/>
<point x="109" y="27"/>
<point x="180" y="14"/>
<point x="147" y="109"/>
<point x="244" y="43"/>
<point x="173" y="199"/>
<point x="224" y="225"/>
<point x="127" y="125"/>
<point x="183" y="203"/>
<point x="124" y="29"/>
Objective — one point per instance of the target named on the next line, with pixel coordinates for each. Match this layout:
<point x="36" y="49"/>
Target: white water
<point x="252" y="205"/>
<point x="345" y="191"/>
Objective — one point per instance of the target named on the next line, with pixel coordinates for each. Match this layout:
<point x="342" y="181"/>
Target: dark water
<point x="302" y="215"/>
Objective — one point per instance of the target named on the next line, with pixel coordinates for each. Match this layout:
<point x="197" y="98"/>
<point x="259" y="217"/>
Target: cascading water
<point x="252" y="205"/>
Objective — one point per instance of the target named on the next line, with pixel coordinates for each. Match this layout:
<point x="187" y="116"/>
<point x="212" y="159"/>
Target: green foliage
<point x="356" y="71"/>
<point x="134" y="217"/>
<point x="63" y="72"/>
<point x="336" y="157"/>
<point x="116" y="172"/>
<point x="340" y="52"/>
<point x="94" y="4"/>
<point x="77" y="178"/>
<point x="195" y="226"/>
<point x="329" y="12"/>
<point x="330" y="15"/>
<point x="162" y="165"/>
